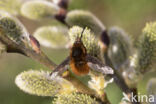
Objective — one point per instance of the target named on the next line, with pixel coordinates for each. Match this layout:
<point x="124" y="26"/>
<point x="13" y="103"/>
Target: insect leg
<point x="61" y="67"/>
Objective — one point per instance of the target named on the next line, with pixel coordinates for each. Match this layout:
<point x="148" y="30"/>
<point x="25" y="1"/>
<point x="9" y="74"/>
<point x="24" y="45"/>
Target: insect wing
<point x="62" y="67"/>
<point x="97" y="65"/>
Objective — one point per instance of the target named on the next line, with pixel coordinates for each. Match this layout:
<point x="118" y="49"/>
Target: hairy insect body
<point x="78" y="61"/>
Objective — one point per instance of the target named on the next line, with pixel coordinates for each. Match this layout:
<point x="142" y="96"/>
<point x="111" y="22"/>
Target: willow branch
<point x="118" y="79"/>
<point x="63" y="4"/>
<point x="13" y="47"/>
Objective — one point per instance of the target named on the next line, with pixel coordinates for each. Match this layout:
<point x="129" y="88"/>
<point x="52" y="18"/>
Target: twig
<point x="63" y="4"/>
<point x="13" y="47"/>
<point x="118" y="79"/>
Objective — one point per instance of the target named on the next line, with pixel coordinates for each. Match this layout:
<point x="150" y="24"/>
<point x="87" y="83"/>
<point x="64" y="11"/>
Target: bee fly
<point x="78" y="55"/>
<point x="80" y="62"/>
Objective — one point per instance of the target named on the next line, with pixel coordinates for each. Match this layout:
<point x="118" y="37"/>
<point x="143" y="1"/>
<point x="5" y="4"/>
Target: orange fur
<point x="78" y="64"/>
<point x="81" y="70"/>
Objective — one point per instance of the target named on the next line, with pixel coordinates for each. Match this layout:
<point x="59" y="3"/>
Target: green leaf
<point x="114" y="93"/>
<point x="146" y="86"/>
<point x="39" y="9"/>
<point x="74" y="98"/>
<point x="85" y="19"/>
<point x="52" y="36"/>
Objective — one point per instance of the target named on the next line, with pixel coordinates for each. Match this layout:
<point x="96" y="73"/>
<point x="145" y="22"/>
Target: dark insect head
<point x="78" y="48"/>
<point x="77" y="51"/>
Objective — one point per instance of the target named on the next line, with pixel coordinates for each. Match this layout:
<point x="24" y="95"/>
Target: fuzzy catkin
<point x="120" y="47"/>
<point x="39" y="9"/>
<point x="74" y="98"/>
<point x="12" y="28"/>
<point x="146" y="56"/>
<point x="85" y="19"/>
<point x="52" y="36"/>
<point x="37" y="83"/>
<point x="41" y="83"/>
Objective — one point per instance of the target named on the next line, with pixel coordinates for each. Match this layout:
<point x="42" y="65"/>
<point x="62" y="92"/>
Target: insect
<point x="81" y="62"/>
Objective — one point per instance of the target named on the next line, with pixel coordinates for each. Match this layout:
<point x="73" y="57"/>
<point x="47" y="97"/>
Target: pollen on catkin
<point x="37" y="83"/>
<point x="146" y="55"/>
<point x="74" y="98"/>
<point x="41" y="83"/>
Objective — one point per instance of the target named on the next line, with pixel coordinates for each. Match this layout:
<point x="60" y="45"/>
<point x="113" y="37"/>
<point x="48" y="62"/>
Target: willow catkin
<point x="74" y="98"/>
<point x="85" y="19"/>
<point x="39" y="9"/>
<point x="52" y="36"/>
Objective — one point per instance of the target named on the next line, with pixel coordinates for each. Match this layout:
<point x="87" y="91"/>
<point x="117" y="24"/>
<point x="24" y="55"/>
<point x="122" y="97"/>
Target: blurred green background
<point x="131" y="15"/>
